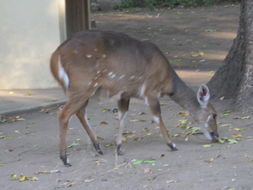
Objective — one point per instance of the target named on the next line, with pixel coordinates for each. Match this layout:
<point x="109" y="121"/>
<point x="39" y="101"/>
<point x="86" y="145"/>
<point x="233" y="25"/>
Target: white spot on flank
<point x="95" y="85"/>
<point x="122" y="76"/>
<point x="98" y="72"/>
<point x="132" y="77"/>
<point x="62" y="73"/>
<point x="88" y="55"/>
<point x="111" y="75"/>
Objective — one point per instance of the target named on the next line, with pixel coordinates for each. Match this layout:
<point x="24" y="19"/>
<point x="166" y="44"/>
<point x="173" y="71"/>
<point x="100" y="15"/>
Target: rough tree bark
<point x="234" y="80"/>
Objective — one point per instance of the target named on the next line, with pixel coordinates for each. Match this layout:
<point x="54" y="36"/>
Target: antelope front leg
<point x="123" y="105"/>
<point x="154" y="106"/>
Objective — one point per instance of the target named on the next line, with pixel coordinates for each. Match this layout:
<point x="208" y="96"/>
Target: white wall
<point x="29" y="33"/>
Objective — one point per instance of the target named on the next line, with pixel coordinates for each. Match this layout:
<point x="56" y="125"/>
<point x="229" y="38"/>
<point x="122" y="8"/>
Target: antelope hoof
<point x="97" y="148"/>
<point x="215" y="137"/>
<point x="118" y="151"/>
<point x="172" y="147"/>
<point x="65" y="161"/>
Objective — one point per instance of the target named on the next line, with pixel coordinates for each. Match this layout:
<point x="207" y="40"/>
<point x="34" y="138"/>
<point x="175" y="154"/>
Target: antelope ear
<point x="203" y="95"/>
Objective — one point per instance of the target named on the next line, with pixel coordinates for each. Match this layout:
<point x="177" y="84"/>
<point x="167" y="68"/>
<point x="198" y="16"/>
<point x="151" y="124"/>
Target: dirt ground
<point x="196" y="40"/>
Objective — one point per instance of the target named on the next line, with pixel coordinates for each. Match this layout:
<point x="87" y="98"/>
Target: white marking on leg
<point x="88" y="56"/>
<point x="157" y="119"/>
<point x="122" y="117"/>
<point x="62" y="73"/>
<point x="204" y="130"/>
<point x="146" y="101"/>
<point x="173" y="145"/>
<point x="142" y="91"/>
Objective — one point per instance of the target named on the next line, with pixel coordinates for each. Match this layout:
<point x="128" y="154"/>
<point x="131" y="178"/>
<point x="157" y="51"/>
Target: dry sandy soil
<point x="193" y="39"/>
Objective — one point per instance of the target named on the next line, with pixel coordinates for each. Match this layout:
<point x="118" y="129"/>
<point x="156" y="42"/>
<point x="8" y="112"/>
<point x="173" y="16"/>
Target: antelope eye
<point x="214" y="116"/>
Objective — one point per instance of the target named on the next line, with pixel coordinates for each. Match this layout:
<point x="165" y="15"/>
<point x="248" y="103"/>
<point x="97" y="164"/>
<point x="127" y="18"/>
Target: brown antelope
<point x="92" y="62"/>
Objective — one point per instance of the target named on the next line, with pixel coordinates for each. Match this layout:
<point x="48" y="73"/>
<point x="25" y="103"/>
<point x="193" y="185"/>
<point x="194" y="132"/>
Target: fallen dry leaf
<point x="210" y="160"/>
<point x="242" y="117"/>
<point x="207" y="145"/>
<point x="137" y="162"/>
<point x="226" y="113"/>
<point x="50" y="100"/>
<point x="148" y="134"/>
<point x="43" y="172"/>
<point x="238" y="129"/>
<point x="197" y="54"/>
<point x="137" y="139"/>
<point x="27" y="94"/>
<point x="8" y="150"/>
<point x="138" y="120"/>
<point x="10" y="119"/>
<point x="75" y="143"/>
<point x="100" y="138"/>
<point x="228" y="140"/>
<point x="105" y="110"/>
<point x="23" y="178"/>
<point x="147" y="171"/>
<point x="237" y="135"/>
<point x="103" y="123"/>
<point x="109" y="144"/>
<point x="183" y="113"/>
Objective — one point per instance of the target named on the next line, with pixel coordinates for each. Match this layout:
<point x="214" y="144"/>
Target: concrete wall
<point x="29" y="33"/>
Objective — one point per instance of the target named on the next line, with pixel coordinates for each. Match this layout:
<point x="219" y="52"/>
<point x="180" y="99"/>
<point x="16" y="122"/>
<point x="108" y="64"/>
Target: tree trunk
<point x="234" y="80"/>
